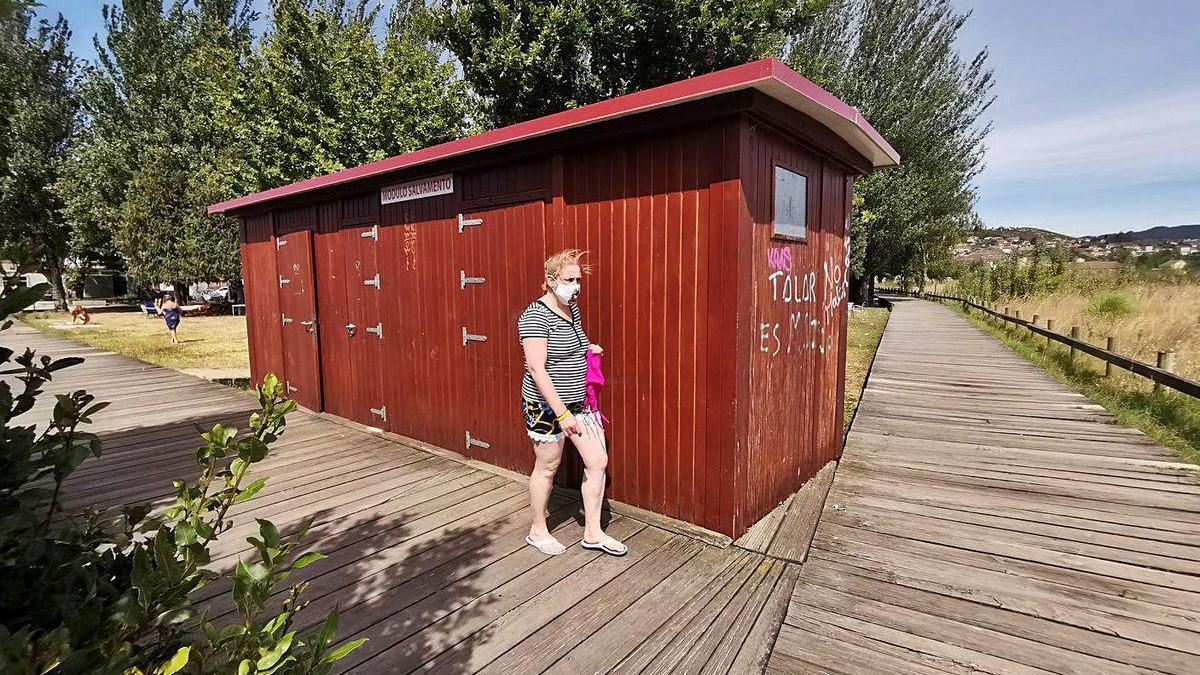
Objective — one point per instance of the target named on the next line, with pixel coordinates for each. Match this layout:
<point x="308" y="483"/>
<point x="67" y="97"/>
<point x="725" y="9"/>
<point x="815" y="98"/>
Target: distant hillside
<point x="1025" y="233"/>
<point x="1158" y="233"/>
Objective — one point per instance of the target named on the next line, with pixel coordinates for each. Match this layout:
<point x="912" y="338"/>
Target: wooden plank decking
<point x="984" y="518"/>
<point x="425" y="553"/>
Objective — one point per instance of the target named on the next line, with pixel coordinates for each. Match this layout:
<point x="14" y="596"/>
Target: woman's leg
<point x="541" y="482"/>
<point x="592" y="449"/>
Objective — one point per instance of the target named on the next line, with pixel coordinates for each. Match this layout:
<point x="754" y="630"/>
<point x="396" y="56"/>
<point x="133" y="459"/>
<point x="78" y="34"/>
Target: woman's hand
<point x="597" y="349"/>
<point x="571" y="426"/>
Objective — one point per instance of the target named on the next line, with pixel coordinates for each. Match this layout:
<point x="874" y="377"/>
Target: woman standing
<point x="170" y="311"/>
<point x="552" y="393"/>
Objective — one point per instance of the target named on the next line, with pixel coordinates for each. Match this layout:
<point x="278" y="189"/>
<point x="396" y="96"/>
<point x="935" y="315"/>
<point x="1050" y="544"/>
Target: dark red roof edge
<point x="694" y="88"/>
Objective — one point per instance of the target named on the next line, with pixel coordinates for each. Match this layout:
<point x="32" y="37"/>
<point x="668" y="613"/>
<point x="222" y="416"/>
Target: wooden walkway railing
<point x="1160" y="374"/>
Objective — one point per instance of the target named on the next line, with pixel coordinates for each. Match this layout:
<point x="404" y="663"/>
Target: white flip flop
<point x="608" y="545"/>
<point x="539" y="544"/>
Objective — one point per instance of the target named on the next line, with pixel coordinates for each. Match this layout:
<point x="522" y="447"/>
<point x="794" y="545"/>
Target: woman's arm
<point x="535" y="363"/>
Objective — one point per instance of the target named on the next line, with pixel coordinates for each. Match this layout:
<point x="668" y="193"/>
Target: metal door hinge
<point x="476" y="442"/>
<point x="372" y="233"/>
<point x="381" y="412"/>
<point x="288" y="385"/>
<point x="283" y="280"/>
<point x="463" y="279"/>
<point x="286" y="319"/>
<point x="467" y="337"/>
<point x="279" y="243"/>
<point x="377" y="329"/>
<point x="465" y="223"/>
<point x="373" y="281"/>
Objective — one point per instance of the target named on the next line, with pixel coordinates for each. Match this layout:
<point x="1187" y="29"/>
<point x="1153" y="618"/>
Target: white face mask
<point x="566" y="292"/>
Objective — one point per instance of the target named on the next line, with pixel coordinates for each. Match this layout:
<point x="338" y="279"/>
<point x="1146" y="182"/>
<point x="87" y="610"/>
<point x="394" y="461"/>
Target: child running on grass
<point x="169" y="309"/>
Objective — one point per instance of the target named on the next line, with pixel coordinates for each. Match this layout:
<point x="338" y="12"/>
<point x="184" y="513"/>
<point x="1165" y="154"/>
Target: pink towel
<point x="594" y="379"/>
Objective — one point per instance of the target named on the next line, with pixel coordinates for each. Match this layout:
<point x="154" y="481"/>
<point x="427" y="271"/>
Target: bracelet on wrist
<point x="564" y="415"/>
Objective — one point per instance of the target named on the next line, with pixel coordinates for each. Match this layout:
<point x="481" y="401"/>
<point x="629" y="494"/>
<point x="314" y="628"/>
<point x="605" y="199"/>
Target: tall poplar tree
<point x="897" y="61"/>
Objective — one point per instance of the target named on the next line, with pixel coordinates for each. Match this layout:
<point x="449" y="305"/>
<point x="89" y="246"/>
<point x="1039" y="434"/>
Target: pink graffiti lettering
<point x="780" y="258"/>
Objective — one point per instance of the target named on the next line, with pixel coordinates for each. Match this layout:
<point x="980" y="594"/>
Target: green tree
<point x="527" y="58"/>
<point x="166" y="133"/>
<point x="330" y="95"/>
<point x="40" y="111"/>
<point x="897" y="62"/>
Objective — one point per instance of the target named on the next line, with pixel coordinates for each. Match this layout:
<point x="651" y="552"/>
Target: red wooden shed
<point x="715" y="211"/>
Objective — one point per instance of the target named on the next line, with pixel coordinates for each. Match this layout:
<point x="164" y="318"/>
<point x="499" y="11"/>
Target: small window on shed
<point x="791" y="204"/>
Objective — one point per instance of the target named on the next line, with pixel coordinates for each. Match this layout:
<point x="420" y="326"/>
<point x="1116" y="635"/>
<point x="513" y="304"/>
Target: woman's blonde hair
<point x="556" y="262"/>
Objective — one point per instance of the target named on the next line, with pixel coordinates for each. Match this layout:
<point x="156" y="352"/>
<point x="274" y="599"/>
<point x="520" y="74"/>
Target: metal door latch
<point x="286" y="319"/>
<point x="351" y="328"/>
<point x="279" y="243"/>
<point x="373" y="281"/>
<point x="283" y="280"/>
<point x="309" y="326"/>
<point x="476" y="442"/>
<point x="288" y="385"/>
<point x="465" y="223"/>
<point x="372" y="233"/>
<point x="463" y="280"/>
<point x="381" y="412"/>
<point x="377" y="329"/>
<point x="467" y="337"/>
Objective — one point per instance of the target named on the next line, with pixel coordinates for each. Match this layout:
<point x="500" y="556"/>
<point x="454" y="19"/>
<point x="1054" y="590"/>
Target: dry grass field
<point x="1145" y="318"/>
<point x="210" y="346"/>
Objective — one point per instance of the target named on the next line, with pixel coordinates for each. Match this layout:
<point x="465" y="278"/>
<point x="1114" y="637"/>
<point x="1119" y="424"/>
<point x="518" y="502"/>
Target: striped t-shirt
<point x="566" y="351"/>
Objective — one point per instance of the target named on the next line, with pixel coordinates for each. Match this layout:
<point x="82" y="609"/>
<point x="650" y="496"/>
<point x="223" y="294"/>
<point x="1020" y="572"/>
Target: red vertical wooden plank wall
<point x="799" y="307"/>
<point x="262" y="300"/>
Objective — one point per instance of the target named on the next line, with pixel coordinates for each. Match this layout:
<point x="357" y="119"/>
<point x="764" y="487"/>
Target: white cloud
<point x="1139" y="140"/>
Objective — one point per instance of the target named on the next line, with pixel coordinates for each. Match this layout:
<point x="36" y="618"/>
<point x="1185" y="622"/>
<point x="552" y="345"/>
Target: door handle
<point x="351" y="328"/>
<point x="309" y="326"/>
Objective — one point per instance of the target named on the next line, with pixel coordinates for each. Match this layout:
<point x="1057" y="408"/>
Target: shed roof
<point x="768" y="76"/>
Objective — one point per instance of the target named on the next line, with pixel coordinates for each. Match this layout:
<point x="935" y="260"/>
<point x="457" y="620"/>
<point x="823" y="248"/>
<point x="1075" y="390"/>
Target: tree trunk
<point x="54" y="273"/>
<point x="181" y="292"/>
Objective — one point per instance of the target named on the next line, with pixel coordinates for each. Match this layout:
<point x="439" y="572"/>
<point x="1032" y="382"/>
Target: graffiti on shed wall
<point x="810" y="310"/>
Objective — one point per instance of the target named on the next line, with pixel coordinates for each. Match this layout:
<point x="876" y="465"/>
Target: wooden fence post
<point x="1035" y="322"/>
<point x="1017" y="316"/>
<point x="1049" y="327"/>
<point x="1074" y="336"/>
<point x="1166" y="361"/>
<point x="1112" y="347"/>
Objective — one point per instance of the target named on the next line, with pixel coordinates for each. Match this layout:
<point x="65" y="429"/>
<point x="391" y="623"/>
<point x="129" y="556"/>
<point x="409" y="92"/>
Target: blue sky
<point x="1097" y="112"/>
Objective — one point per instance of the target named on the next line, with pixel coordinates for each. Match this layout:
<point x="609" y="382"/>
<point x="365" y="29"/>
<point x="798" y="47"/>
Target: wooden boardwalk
<point x="425" y="552"/>
<point x="984" y="518"/>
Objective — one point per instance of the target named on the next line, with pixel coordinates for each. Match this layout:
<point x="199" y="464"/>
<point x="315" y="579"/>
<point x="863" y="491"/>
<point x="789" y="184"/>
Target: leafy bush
<point x="104" y="593"/>
<point x="1110" y="306"/>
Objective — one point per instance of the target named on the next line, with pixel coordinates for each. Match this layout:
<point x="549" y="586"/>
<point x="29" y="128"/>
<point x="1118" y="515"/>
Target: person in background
<point x="171" y="313"/>
<point x="553" y="403"/>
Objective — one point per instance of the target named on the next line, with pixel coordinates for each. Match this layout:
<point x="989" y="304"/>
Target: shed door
<point x="364" y="328"/>
<point x="500" y="270"/>
<point x="298" y="318"/>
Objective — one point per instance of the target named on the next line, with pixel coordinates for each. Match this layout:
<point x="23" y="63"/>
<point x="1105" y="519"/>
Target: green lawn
<point x="866" y="329"/>
<point x="210" y="346"/>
